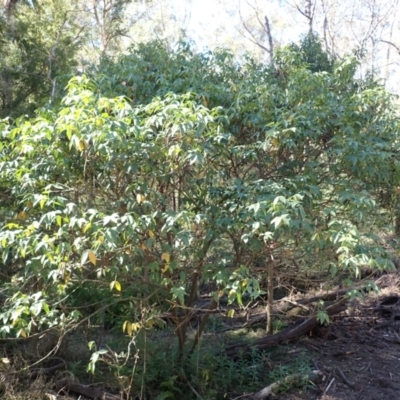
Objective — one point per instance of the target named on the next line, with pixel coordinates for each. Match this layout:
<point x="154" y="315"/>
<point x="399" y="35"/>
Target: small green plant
<point x="94" y="357"/>
<point x="214" y="324"/>
<point x="170" y="388"/>
<point x="291" y="375"/>
<point x="121" y="365"/>
<point x="77" y="368"/>
<point x="278" y="325"/>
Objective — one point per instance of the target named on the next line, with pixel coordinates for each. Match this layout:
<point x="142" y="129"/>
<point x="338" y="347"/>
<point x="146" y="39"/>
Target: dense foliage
<point x="38" y="44"/>
<point x="166" y="169"/>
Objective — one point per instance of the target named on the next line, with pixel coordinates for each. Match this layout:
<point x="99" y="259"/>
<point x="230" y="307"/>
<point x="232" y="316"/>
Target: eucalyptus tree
<point x="368" y="27"/>
<point x="109" y="24"/>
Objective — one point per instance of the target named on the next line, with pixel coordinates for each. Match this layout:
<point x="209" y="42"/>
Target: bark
<point x="397" y="218"/>
<point x="270" y="299"/>
<point x="182" y="323"/>
<point x="6" y="80"/>
<point x="269" y="36"/>
<point x="190" y="302"/>
<point x="309" y="13"/>
<point x="10" y="6"/>
<point x="203" y="322"/>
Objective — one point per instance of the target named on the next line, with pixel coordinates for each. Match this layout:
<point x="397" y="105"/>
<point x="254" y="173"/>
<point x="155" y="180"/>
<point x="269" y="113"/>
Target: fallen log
<point x="90" y="391"/>
<point x="326" y="296"/>
<point x="291" y="380"/>
<point x="287" y="303"/>
<point x="290" y="333"/>
<point x="42" y="371"/>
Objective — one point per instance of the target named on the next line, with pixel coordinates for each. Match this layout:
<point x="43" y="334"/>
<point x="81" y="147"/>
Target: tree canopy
<point x="137" y="178"/>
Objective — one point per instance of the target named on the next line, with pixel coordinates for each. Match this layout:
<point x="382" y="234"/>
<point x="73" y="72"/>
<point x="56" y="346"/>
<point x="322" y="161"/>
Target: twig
<point x="391" y="44"/>
<point x="330" y="384"/>
<point x="196" y="393"/>
<point x="345" y="380"/>
<point x="365" y="367"/>
<point x="242" y="396"/>
<point x="395" y="341"/>
<point x="295" y="303"/>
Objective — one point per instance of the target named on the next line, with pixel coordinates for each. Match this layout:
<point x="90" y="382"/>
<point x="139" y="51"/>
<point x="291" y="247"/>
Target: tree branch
<point x="253" y="39"/>
<point x="391" y="44"/>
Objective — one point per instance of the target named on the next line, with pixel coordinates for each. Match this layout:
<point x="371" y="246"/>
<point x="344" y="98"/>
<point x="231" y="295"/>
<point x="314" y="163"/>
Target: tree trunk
<point x="397" y="216"/>
<point x="270" y="299"/>
<point x="6" y="80"/>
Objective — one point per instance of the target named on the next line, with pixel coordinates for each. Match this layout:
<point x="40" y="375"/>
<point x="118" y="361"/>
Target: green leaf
<point x="36" y="308"/>
<point x="178" y="293"/>
<point x="323" y="317"/>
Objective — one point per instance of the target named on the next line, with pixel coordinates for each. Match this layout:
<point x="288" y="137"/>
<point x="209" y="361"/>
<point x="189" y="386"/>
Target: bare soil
<point x="359" y="352"/>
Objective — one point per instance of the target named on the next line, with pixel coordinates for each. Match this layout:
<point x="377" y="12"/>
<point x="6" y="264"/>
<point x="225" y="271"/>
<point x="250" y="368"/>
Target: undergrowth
<point x="161" y="373"/>
<point x="157" y="372"/>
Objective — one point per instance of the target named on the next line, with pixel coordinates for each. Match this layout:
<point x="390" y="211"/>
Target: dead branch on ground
<point x="290" y="333"/>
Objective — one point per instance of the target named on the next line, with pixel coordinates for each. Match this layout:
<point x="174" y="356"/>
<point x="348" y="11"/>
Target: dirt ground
<point x="359" y="353"/>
